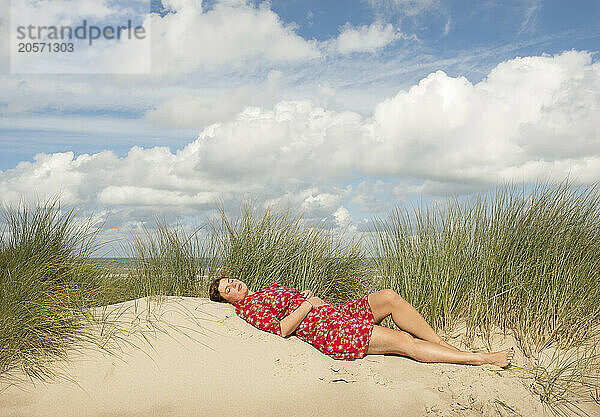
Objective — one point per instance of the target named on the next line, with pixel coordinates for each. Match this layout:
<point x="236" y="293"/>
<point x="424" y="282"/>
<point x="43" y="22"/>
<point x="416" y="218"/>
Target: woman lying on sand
<point x="348" y="331"/>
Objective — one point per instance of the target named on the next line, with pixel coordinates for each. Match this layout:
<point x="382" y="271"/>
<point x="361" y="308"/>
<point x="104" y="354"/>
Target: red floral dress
<point x="340" y="331"/>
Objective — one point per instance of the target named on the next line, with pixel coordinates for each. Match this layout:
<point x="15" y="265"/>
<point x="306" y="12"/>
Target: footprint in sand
<point x="341" y="375"/>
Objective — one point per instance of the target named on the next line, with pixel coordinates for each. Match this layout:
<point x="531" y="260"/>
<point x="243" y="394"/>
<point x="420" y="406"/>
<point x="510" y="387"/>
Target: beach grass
<point x="568" y="379"/>
<point x="169" y="260"/>
<point x="274" y="246"/>
<point x="260" y="247"/>
<point x="46" y="283"/>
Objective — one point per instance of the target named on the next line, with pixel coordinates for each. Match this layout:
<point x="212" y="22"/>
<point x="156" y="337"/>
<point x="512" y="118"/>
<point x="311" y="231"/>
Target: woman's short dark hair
<point x="213" y="288"/>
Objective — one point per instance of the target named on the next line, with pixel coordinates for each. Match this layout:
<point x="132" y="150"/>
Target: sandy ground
<point x="204" y="360"/>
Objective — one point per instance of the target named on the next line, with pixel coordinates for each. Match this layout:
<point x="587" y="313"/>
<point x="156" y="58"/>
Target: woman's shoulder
<point x="256" y="296"/>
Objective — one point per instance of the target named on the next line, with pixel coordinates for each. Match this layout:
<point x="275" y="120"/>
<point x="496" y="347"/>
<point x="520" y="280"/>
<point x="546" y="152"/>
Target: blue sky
<point x="339" y="109"/>
<point x="460" y="38"/>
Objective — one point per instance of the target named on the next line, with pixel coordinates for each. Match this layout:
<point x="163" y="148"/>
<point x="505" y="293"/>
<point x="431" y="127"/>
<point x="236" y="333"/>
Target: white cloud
<point x="342" y="216"/>
<point x="344" y="221"/>
<point x="198" y="110"/>
<point x="449" y="128"/>
<point x="435" y="188"/>
<point x="295" y="140"/>
<point x="114" y="195"/>
<point x="444" y="128"/>
<point x="531" y="118"/>
<point x="311" y="202"/>
<point x="232" y="33"/>
<point x="48" y="175"/>
<point x="366" y="38"/>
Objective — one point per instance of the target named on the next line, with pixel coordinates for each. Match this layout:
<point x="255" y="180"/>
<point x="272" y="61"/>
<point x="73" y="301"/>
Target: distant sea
<point x="120" y="263"/>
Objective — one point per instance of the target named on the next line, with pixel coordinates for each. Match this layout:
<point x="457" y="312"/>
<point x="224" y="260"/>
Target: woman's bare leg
<point x="386" y="302"/>
<point x="384" y="340"/>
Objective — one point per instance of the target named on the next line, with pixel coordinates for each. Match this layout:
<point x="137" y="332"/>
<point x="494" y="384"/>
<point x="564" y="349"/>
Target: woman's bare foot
<point x="502" y="358"/>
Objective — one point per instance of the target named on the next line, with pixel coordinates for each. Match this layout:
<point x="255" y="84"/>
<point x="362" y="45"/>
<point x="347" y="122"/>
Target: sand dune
<point x="204" y="360"/>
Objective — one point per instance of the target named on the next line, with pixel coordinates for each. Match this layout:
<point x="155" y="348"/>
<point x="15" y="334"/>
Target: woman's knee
<point x="392" y="297"/>
<point x="386" y="296"/>
<point x="385" y="302"/>
<point x="406" y="343"/>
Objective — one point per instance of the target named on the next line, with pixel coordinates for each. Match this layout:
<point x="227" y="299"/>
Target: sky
<point x="340" y="110"/>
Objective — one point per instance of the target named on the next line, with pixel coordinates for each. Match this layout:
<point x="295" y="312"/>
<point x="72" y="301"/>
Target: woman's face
<point x="232" y="289"/>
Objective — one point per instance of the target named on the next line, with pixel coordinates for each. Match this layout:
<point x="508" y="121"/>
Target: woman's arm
<point x="291" y="322"/>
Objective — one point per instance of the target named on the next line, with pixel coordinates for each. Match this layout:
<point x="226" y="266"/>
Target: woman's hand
<point x="316" y="301"/>
<point x="306" y="294"/>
